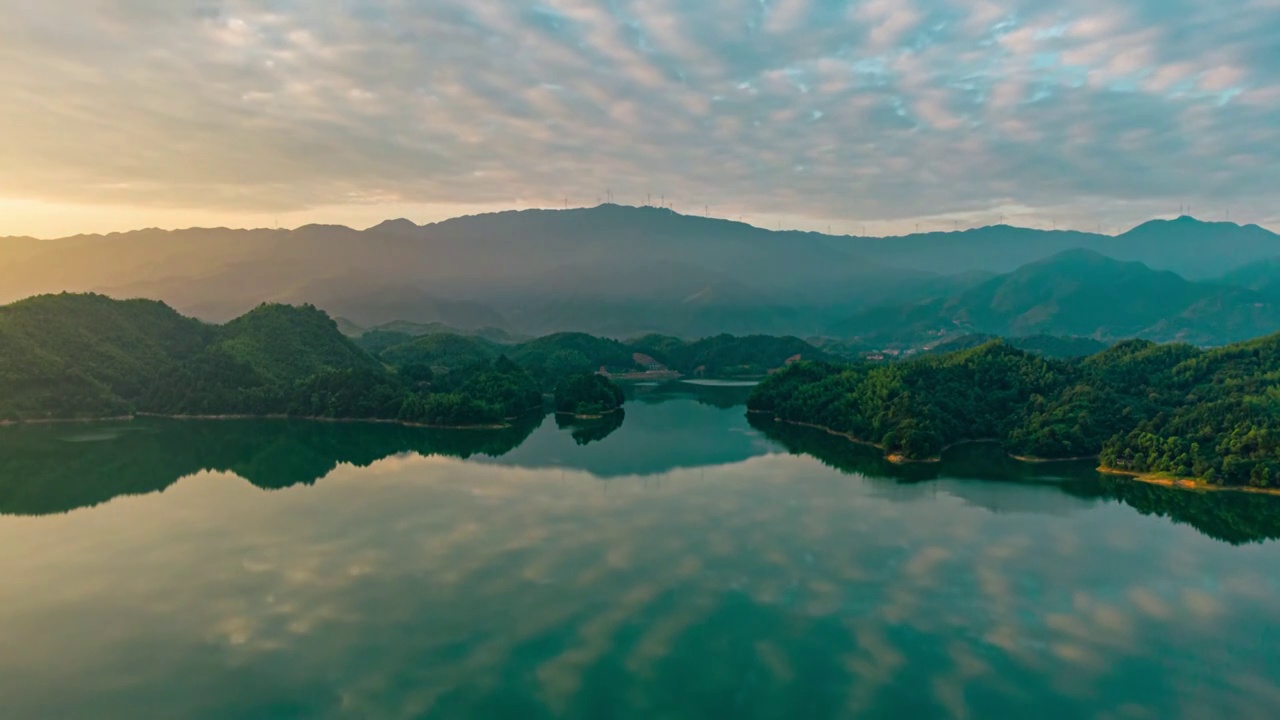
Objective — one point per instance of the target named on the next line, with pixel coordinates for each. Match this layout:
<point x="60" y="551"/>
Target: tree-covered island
<point x="588" y="395"/>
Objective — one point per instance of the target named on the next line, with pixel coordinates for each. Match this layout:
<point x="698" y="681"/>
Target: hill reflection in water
<point x="46" y="469"/>
<point x="982" y="474"/>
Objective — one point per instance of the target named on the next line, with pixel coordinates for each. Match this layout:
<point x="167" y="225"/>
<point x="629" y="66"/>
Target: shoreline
<point x="659" y="375"/>
<point x="1044" y="461"/>
<point x="601" y="416"/>
<point x="900" y="460"/>
<point x="894" y="458"/>
<point x="66" y="421"/>
<point x="1172" y="483"/>
<point x="1190" y="484"/>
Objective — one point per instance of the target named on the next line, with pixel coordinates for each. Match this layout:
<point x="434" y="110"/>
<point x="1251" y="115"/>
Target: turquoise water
<point x="686" y="562"/>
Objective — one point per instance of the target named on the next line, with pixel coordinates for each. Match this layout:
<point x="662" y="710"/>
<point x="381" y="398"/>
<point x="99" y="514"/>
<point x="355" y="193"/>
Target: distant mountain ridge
<point x="1195" y="249"/>
<point x="608" y="270"/>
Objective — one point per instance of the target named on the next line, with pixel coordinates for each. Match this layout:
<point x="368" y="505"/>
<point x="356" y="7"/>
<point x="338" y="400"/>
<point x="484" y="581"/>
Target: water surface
<point x="686" y="562"/>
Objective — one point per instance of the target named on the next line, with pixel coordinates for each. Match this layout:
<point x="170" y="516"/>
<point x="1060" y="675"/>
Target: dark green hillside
<point x="666" y="349"/>
<point x="553" y="357"/>
<point x="1226" y="429"/>
<point x="727" y="355"/>
<point x="287" y="343"/>
<point x="441" y="350"/>
<point x="88" y="355"/>
<point x="588" y="394"/>
<point x="500" y="388"/>
<point x="1050" y="346"/>
<point x="913" y="409"/>
<point x="278" y="360"/>
<point x="375" y="341"/>
<point x="1060" y="347"/>
<point x="412" y="329"/>
<point x="1145" y="408"/>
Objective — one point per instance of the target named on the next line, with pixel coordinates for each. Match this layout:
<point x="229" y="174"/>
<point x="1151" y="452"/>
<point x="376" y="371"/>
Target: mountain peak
<point x="1075" y="258"/>
<point x="398" y="225"/>
<point x="1180" y="223"/>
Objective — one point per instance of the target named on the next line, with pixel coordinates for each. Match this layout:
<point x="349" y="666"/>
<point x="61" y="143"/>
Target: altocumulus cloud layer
<point x="812" y="110"/>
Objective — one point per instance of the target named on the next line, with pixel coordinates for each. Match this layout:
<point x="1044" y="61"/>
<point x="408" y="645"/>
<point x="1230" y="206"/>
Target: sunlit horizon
<point x="39" y="221"/>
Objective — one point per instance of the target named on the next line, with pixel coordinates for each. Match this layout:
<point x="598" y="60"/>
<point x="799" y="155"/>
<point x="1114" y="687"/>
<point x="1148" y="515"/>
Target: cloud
<point x="804" y="109"/>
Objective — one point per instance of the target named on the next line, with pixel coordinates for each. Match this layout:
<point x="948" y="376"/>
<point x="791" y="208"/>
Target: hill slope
<point x="83" y="354"/>
<point x="1262" y="276"/>
<point x="1143" y="407"/>
<point x="1079" y="293"/>
<point x="75" y="356"/>
<point x="287" y="343"/>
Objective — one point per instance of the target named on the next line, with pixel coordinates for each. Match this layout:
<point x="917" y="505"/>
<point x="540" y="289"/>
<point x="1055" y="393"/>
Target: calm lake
<point x="679" y="561"/>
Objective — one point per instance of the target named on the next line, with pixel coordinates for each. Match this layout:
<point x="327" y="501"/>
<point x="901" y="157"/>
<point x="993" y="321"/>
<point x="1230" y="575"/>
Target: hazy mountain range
<point x="623" y="271"/>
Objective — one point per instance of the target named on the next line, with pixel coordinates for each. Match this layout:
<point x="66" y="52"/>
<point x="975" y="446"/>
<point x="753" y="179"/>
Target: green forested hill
<point x="1050" y="346"/>
<point x="1078" y="293"/>
<point x="81" y="355"/>
<point x="587" y="394"/>
<point x="71" y="356"/>
<point x="442" y="350"/>
<point x="1143" y="407"/>
<point x="284" y="342"/>
<point x="555" y="356"/>
<point x="726" y="355"/>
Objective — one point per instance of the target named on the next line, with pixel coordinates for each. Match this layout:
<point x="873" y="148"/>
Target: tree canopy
<point x="1142" y="407"/>
<point x="588" y="394"/>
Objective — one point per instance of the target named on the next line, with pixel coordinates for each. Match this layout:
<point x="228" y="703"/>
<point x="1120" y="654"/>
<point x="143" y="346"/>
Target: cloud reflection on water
<point x="472" y="588"/>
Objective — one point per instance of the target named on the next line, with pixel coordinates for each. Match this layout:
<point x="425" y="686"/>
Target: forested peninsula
<point x="86" y="356"/>
<point x="1145" y="409"/>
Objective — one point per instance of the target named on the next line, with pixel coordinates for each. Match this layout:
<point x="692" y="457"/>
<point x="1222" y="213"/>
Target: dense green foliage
<point x="913" y="408"/>
<point x="440" y="351"/>
<point x="282" y="342"/>
<point x="726" y="355"/>
<point x="588" y="394"/>
<point x="1050" y="346"/>
<point x="553" y="357"/>
<point x="79" y="356"/>
<point x="1143" y="407"/>
<point x="376" y="341"/>
<point x="71" y="356"/>
<point x="82" y="355"/>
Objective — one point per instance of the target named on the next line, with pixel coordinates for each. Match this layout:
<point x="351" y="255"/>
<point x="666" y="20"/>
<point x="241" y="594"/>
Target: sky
<point x="862" y="116"/>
